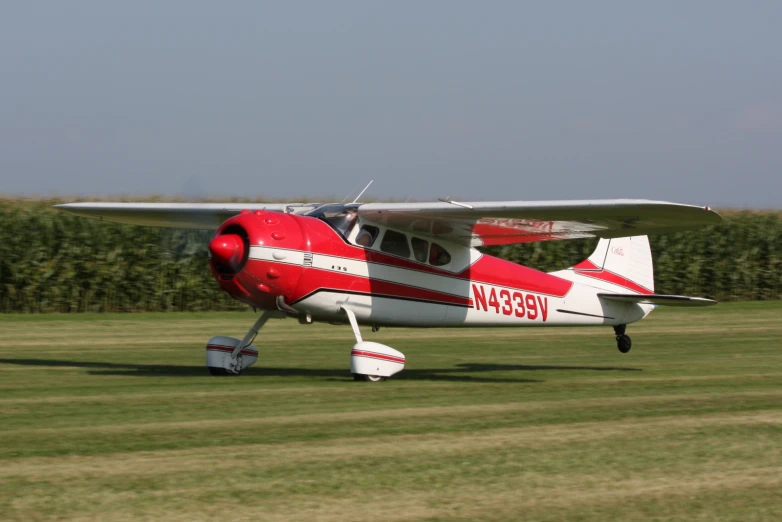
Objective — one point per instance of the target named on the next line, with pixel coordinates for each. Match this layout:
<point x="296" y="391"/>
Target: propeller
<point x="227" y="250"/>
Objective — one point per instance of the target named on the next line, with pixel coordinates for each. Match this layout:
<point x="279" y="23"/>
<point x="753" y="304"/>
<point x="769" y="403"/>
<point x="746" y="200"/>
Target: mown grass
<point x="113" y="417"/>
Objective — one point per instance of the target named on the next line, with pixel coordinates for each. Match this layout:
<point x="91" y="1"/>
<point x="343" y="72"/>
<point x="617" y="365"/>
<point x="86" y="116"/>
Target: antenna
<point x="452" y="202"/>
<point x="349" y="194"/>
<point x="362" y="192"/>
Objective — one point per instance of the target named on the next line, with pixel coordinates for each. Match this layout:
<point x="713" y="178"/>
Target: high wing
<point x="469" y="224"/>
<point x="178" y="215"/>
<point x="508" y="222"/>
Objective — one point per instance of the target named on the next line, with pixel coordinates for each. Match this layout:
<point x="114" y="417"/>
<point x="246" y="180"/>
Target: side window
<point x="367" y="235"/>
<point x="420" y="249"/>
<point x="438" y="256"/>
<point x="395" y="243"/>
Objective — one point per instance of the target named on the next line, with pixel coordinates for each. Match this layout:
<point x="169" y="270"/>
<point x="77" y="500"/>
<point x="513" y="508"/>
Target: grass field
<point x="113" y="417"/>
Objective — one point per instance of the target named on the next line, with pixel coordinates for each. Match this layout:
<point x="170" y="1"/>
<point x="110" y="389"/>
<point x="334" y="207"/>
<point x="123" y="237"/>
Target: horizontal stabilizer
<point x="657" y="299"/>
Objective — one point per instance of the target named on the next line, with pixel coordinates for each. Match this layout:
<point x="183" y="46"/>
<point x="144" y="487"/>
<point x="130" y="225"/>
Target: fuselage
<point x="319" y="268"/>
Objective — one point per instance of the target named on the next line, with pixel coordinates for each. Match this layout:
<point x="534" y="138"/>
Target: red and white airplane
<point x="417" y="265"/>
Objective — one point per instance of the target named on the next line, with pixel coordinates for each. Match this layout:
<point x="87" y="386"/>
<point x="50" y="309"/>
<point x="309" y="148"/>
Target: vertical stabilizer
<point x="618" y="265"/>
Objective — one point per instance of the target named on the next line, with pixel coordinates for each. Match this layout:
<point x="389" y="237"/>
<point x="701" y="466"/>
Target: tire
<point x="368" y="378"/>
<point x="220" y="372"/>
<point x="623" y="343"/>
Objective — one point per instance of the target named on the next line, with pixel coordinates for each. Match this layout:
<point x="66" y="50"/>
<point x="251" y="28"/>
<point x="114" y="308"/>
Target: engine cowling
<point x="256" y="257"/>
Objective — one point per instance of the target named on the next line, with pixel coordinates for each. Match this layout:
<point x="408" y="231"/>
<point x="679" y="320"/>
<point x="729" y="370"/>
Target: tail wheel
<point x="368" y="378"/>
<point x="624" y="343"/>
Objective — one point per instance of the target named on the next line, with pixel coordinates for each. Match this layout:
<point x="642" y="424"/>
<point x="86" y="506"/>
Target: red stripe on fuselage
<point x="586" y="264"/>
<point x="487" y="269"/>
<point x="494" y="271"/>
<point x="611" y="277"/>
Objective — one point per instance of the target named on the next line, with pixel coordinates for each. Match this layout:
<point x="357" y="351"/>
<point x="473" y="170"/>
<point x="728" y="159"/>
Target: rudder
<point x="620" y="263"/>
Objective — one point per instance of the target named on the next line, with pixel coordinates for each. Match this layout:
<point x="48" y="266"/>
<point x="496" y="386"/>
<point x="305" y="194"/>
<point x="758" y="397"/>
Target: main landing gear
<point x="368" y="378"/>
<point x="372" y="362"/>
<point x="230" y="356"/>
<point x="623" y="342"/>
<point x="369" y="362"/>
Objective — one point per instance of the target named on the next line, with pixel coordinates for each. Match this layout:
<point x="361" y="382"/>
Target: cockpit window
<point x="342" y="221"/>
<point x="438" y="256"/>
<point x="395" y="243"/>
<point x="420" y="248"/>
<point x="367" y="235"/>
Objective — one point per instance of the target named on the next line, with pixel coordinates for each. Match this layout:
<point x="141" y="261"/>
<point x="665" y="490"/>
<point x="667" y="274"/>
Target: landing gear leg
<point x="229" y="356"/>
<point x="249" y="337"/>
<point x="623" y="341"/>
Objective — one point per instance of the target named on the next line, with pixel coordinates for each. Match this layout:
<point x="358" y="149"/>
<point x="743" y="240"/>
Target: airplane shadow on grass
<point x="461" y="373"/>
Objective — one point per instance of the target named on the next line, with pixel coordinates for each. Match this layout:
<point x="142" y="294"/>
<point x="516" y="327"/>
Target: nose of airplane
<point x="255" y="257"/>
<point x="227" y="251"/>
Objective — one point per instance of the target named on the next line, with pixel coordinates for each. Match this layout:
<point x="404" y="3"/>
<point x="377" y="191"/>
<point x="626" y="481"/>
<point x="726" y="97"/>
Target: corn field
<point x="738" y="260"/>
<point x="54" y="262"/>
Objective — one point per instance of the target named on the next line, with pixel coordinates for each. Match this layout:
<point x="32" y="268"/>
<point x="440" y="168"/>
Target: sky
<point x="494" y="100"/>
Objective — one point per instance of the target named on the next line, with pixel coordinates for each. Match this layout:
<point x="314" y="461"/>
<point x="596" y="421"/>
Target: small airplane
<point x="418" y="265"/>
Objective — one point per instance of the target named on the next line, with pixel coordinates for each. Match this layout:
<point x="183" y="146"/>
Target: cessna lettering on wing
<point x="524" y="224"/>
<point x="510" y="302"/>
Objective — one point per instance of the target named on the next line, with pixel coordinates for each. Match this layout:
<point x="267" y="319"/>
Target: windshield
<point x="342" y="221"/>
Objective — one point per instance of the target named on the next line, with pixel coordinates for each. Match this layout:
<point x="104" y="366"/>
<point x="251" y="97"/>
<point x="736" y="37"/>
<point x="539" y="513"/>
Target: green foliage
<point x="54" y="262"/>
<point x="738" y="260"/>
